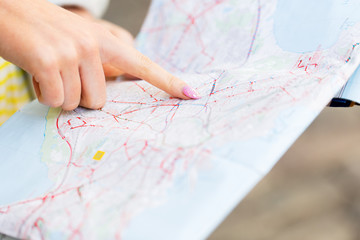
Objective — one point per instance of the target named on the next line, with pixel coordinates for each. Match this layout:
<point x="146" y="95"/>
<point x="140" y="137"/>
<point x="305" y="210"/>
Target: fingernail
<point x="190" y="92"/>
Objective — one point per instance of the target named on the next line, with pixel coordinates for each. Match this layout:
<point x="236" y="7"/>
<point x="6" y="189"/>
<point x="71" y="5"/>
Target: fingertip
<point x="178" y="88"/>
<point x="94" y="102"/>
<point x="70" y="107"/>
<point x="49" y="91"/>
<point x="54" y="102"/>
<point x="94" y="105"/>
<point x="99" y="104"/>
<point x="190" y="93"/>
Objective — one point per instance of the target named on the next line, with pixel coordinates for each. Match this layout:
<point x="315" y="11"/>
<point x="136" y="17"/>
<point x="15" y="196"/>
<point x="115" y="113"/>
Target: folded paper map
<point x="149" y="166"/>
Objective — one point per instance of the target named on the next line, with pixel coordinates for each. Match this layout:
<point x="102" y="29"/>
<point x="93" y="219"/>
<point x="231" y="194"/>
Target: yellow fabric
<point x="14" y="90"/>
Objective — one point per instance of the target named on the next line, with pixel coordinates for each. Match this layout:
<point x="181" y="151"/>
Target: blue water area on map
<point x="22" y="173"/>
<point x="192" y="210"/>
<point x="307" y="25"/>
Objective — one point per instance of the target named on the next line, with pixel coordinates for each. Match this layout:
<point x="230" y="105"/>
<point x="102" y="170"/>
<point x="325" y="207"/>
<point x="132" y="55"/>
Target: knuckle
<point x="126" y="36"/>
<point x="70" y="56"/>
<point x="87" y="45"/>
<point x="171" y="82"/>
<point x="145" y="65"/>
<point x="100" y="29"/>
<point x="47" y="61"/>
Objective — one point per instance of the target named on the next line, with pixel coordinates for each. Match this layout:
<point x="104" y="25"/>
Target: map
<point x="148" y="165"/>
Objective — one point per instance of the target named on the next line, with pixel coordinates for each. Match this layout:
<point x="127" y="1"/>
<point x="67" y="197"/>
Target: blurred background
<point x="312" y="193"/>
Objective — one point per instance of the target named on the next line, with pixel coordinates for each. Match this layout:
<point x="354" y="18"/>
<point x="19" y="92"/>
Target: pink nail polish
<point x="190" y="92"/>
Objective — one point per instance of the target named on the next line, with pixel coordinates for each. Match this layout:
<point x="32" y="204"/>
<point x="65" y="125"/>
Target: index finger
<point x="133" y="62"/>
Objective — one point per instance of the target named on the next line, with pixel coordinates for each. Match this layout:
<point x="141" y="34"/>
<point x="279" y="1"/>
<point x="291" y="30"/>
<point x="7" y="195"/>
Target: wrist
<point x="78" y="10"/>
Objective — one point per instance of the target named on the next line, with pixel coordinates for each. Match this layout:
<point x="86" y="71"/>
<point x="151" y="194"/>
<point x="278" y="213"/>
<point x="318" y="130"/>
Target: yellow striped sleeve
<point x="13" y="74"/>
<point x="4" y="64"/>
<point x="14" y="90"/>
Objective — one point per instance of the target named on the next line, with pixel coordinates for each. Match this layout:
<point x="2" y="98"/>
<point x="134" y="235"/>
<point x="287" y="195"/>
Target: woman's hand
<point x="65" y="54"/>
